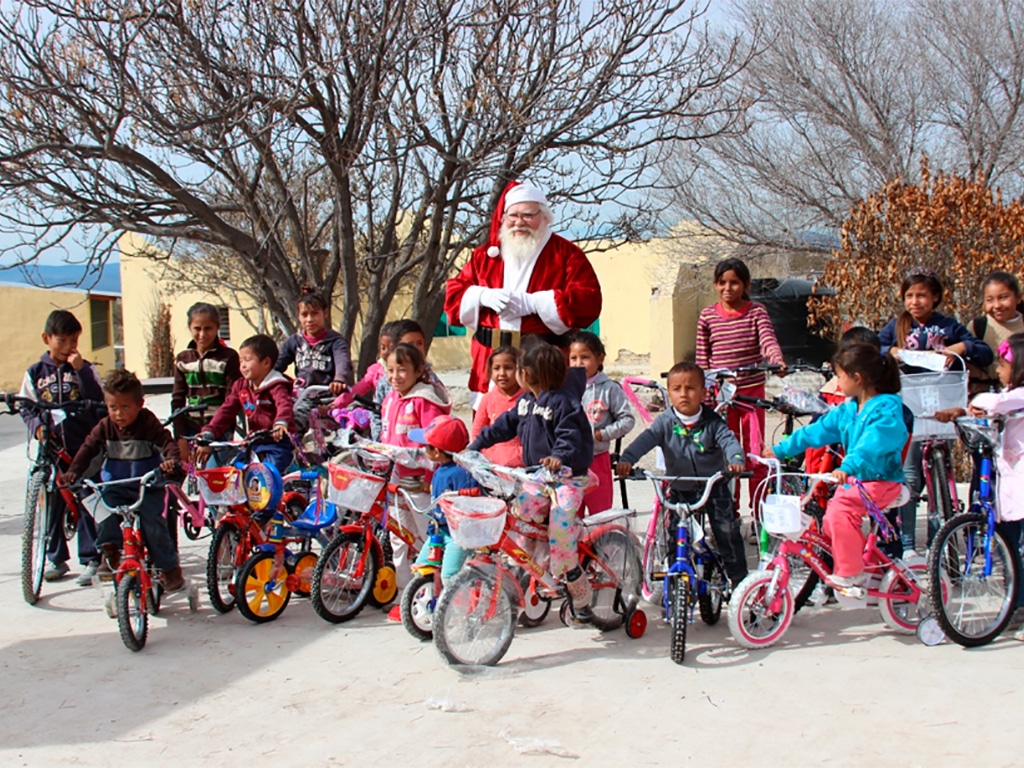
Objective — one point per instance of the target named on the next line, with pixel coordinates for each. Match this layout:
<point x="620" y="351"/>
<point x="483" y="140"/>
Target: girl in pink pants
<point x="871" y="429"/>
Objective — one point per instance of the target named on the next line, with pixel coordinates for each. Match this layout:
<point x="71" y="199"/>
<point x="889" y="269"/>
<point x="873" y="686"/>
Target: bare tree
<point x="355" y="146"/>
<point x="846" y="95"/>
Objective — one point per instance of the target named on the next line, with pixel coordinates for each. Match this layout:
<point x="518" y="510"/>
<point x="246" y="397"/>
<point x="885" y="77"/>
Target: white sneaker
<point x="85" y="578"/>
<point x="909" y="555"/>
<point x="844" y="582"/>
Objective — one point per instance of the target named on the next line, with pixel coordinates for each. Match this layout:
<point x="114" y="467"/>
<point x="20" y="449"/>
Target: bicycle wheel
<point x="475" y="621"/>
<point x="38" y="505"/>
<point x="940" y="495"/>
<point x="655" y="560"/>
<point x="343" y="578"/>
<point x="535" y="608"/>
<point x="679" y="600"/>
<point x="716" y="582"/>
<point x="305" y="563"/>
<point x="132" y="618"/>
<point x="972" y="607"/>
<point x="418" y="604"/>
<point x="616" y="575"/>
<point x="222" y="567"/>
<point x="903" y="615"/>
<point x="262" y="595"/>
<point x="753" y="621"/>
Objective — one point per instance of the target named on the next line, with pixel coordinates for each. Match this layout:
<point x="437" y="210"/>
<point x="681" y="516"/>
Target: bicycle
<point x="137" y="592"/>
<point x="924" y="394"/>
<point x="971" y="557"/>
<point x="695" y="575"/>
<point x="761" y="607"/>
<point x="45" y="483"/>
<point x="475" y="619"/>
<point x="179" y="501"/>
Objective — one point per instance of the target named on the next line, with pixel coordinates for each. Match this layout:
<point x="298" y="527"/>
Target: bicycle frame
<point x="929" y="449"/>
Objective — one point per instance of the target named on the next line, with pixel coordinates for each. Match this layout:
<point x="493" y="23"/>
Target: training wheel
<point x="929" y="632"/>
<point x="193" y="598"/>
<point x="386" y="586"/>
<point x="636" y="624"/>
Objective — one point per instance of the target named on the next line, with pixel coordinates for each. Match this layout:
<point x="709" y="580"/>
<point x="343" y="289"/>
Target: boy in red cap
<point x="445" y="435"/>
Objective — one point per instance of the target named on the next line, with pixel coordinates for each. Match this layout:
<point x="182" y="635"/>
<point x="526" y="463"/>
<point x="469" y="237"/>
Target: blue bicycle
<point x="695" y="576"/>
<point x="972" y="564"/>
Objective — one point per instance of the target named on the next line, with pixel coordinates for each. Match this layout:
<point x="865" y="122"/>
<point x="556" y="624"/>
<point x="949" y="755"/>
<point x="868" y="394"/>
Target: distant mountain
<point x="71" y="276"/>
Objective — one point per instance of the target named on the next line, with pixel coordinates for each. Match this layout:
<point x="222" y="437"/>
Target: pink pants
<point x="843" y="519"/>
<point x="536" y="507"/>
<point x="748" y="425"/>
<point x="601" y="496"/>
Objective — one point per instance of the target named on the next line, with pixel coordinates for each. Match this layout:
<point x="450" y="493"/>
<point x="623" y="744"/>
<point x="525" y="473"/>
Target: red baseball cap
<point x="446" y="433"/>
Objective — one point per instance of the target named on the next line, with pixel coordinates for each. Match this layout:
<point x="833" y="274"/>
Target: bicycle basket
<point x="221" y="486"/>
<point x="781" y="515"/>
<point x="352" y="489"/>
<point x="474" y="521"/>
<point x="926" y="393"/>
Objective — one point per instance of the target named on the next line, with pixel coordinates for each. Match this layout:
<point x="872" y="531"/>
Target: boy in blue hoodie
<point x="63" y="375"/>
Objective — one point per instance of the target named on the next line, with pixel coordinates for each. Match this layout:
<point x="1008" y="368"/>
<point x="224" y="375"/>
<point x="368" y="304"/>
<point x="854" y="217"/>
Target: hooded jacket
<point x="939" y="333"/>
<point x="696" y="451"/>
<point x="50" y="382"/>
<point x="551" y="424"/>
<point x="262" y="407"/>
<point x="321" y="362"/>
<point x="608" y="410"/>
<point x="400" y="414"/>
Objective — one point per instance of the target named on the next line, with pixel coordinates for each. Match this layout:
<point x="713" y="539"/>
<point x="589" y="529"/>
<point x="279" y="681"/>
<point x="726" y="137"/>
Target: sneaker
<point x="580" y="595"/>
<point x="88" y="573"/>
<point x="395" y="614"/>
<point x="173" y="580"/>
<point x="844" y="582"/>
<point x="55" y="571"/>
<point x="910" y="555"/>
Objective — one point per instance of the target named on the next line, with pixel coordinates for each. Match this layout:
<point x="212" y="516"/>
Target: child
<point x="610" y="417"/>
<point x="411" y="404"/>
<point x="555" y="433"/>
<point x="133" y="442"/>
<point x="738" y="332"/>
<point x="1001" y="320"/>
<point x="264" y="398"/>
<point x="871" y="429"/>
<point x="60" y="375"/>
<point x="367" y="385"/>
<point x="407" y="332"/>
<point x="445" y="435"/>
<point x="498" y="399"/>
<point x="920" y="327"/>
<point x="696" y="442"/>
<point x="320" y="355"/>
<point x="203" y="373"/>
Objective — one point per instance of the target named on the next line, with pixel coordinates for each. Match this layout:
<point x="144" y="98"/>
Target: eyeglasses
<point x="527" y="217"/>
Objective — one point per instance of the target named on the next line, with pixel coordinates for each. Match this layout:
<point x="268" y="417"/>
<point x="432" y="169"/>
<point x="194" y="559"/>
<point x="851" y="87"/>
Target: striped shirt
<point x="731" y="342"/>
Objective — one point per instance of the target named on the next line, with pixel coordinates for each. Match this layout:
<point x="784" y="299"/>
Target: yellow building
<point x="23" y="311"/>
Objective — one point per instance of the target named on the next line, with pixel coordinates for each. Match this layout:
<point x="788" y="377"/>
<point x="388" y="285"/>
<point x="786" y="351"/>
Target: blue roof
<point x="70" y="276"/>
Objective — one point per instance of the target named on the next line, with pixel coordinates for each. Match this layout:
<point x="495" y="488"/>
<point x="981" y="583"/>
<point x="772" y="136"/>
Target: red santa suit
<point x="559" y="280"/>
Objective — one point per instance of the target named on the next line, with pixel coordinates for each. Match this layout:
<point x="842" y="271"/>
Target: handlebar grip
<point x="309" y="474"/>
<point x="746" y="473"/>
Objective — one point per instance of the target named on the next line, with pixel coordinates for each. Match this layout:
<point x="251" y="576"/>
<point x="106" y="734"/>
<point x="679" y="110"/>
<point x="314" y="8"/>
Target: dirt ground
<point x="840" y="689"/>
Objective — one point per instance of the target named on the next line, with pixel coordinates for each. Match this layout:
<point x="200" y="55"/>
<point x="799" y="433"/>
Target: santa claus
<point x="525" y="282"/>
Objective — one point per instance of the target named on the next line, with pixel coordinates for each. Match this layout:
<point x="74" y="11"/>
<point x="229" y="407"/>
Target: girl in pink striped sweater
<point x="737" y="332"/>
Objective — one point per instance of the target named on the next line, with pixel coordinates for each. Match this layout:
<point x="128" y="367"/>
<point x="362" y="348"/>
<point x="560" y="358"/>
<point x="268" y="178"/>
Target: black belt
<point x="495" y="337"/>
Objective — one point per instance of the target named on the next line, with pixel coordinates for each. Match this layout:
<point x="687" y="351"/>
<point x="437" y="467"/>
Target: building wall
<point x="23" y="311"/>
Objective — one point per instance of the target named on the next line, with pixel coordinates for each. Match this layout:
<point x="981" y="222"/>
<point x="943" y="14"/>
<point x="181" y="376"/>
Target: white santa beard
<point x="519" y="248"/>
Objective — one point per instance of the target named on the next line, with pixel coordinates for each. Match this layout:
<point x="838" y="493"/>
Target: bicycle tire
<point x="655" y="559"/>
<point x="535" y="608"/>
<point x="940" y="497"/>
<point x="950" y="560"/>
<point x="679" y="599"/>
<point x="255" y="601"/>
<point x="222" y="567"/>
<point x="418" y="605"/>
<point x="903" y="616"/>
<point x="710" y="602"/>
<point x="38" y="504"/>
<point x="132" y="618"/>
<point x="615" y="548"/>
<point x="70" y="523"/>
<point x="337" y="592"/>
<point x="475" y="620"/>
<point x="751" y="621"/>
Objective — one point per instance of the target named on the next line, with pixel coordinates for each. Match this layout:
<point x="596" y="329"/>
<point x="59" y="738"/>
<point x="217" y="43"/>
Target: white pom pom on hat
<point x="516" y="192"/>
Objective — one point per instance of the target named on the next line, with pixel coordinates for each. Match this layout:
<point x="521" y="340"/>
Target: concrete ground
<point x="840" y="689"/>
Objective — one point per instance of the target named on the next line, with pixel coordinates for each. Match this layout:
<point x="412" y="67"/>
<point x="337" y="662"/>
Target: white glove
<point x="520" y="304"/>
<point x="494" y="298"/>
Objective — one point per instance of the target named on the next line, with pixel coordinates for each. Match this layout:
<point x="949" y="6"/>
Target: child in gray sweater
<point x="697" y="443"/>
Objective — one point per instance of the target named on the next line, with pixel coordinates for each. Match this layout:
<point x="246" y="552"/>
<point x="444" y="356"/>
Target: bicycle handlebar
<point x="253" y="439"/>
<point x="143" y="481"/>
<point x="662" y="481"/>
<point x="184" y="410"/>
<point x="13" y="401"/>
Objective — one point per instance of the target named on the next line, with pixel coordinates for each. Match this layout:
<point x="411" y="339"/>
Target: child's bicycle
<point x="694" y="575"/>
<point x="138" y="592"/>
<point x="971" y="557"/>
<point x="352" y="569"/>
<point x="45" y="485"/>
<point x="475" y="619"/>
<point x="275" y="571"/>
<point x="182" y="500"/>
<point x="761" y="607"/>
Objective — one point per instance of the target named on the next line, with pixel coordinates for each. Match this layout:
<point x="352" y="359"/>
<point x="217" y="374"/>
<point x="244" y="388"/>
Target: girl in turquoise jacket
<point x="871" y="429"/>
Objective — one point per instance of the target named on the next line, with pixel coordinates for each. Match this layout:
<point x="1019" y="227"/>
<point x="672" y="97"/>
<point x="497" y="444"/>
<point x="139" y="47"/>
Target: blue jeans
<point x="280" y="454"/>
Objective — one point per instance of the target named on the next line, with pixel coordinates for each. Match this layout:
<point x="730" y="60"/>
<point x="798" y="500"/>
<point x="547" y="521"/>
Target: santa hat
<point x="515" y="192"/>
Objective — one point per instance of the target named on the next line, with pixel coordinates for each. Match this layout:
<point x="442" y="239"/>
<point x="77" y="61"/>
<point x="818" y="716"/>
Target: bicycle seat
<point x="900" y="500"/>
<point x="606" y="517"/>
<point x="312" y="520"/>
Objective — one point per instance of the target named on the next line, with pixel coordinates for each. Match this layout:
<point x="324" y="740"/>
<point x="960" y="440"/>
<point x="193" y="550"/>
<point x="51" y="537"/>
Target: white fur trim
<point x="525" y="192"/>
<point x="548" y="312"/>
<point x="469" y="307"/>
<point x="494" y="251"/>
